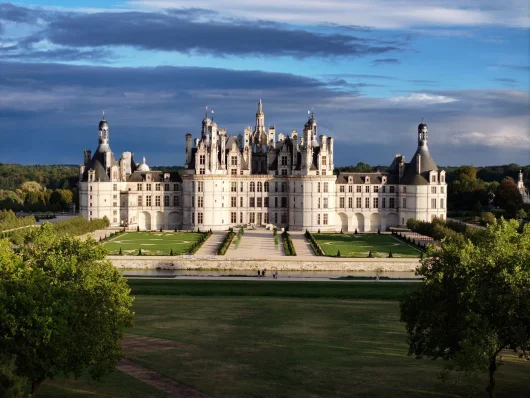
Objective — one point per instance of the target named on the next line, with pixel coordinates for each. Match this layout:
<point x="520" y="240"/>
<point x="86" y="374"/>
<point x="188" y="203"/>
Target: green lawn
<point x="359" y="245"/>
<point x="152" y="243"/>
<point x="231" y="346"/>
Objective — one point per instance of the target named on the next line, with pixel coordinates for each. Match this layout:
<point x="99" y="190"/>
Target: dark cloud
<point x="27" y="51"/>
<point x="57" y="107"/>
<point x="506" y="81"/>
<point x="191" y="31"/>
<point x="524" y="68"/>
<point x="354" y="75"/>
<point x="386" y="61"/>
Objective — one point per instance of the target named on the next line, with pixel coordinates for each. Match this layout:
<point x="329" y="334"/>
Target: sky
<point x="370" y="70"/>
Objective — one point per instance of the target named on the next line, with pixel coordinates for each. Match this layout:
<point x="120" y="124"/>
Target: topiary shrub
<point x="378" y="231"/>
<point x="341" y="231"/>
<point x="140" y="251"/>
<point x="171" y="252"/>
<point x="338" y="253"/>
<point x="370" y="255"/>
<point x="355" y="231"/>
<point x="390" y="255"/>
<point x="319" y="230"/>
<point x="121" y="253"/>
<point x="137" y="228"/>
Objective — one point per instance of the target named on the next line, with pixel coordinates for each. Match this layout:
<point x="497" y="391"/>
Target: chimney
<point x="88" y="156"/>
<point x="188" y="148"/>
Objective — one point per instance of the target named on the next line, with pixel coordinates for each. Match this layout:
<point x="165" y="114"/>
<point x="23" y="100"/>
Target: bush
<point x="275" y="235"/>
<point x="171" y="252"/>
<point x="137" y="228"/>
<point x="338" y="253"/>
<point x="121" y="253"/>
<point x="8" y="220"/>
<point x="140" y="251"/>
<point x="378" y="231"/>
<point x="370" y="255"/>
<point x="314" y="244"/>
<point x="197" y="245"/>
<point x="79" y="226"/>
<point x="390" y="255"/>
<point x="226" y="242"/>
<point x="288" y="244"/>
<point x="355" y="231"/>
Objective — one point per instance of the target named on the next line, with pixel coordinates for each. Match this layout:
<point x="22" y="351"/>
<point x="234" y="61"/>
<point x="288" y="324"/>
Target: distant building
<point x="522" y="188"/>
<point x="258" y="178"/>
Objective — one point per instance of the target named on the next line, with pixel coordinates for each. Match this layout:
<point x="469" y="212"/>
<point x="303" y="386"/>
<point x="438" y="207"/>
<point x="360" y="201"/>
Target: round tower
<point x="422" y="134"/>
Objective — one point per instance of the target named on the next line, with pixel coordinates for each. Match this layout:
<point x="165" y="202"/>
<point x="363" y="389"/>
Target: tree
<point x="338" y="253"/>
<point x="474" y="302"/>
<point x="390" y="255"/>
<point x="508" y="196"/>
<point x="521" y="214"/>
<point x="63" y="308"/>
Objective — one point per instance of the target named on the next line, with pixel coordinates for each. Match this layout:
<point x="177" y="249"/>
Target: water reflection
<point x="283" y="274"/>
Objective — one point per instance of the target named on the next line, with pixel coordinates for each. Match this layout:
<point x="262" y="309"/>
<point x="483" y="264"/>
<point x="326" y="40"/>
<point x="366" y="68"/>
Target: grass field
<point x="249" y="345"/>
<point x="359" y="245"/>
<point x="152" y="243"/>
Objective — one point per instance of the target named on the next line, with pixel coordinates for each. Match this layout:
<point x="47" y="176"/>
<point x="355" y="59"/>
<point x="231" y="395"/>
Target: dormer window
<point x="384" y="179"/>
<point x="367" y="180"/>
<point x="350" y="180"/>
<point x="433" y="178"/>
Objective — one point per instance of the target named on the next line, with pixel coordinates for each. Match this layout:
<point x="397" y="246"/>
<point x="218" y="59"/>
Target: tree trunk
<point x="492" y="369"/>
<point x="34" y="387"/>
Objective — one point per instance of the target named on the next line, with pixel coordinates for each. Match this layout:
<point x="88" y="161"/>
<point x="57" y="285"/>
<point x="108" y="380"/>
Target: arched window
<point x="266" y="186"/>
<point x="252" y="187"/>
<point x="260" y="187"/>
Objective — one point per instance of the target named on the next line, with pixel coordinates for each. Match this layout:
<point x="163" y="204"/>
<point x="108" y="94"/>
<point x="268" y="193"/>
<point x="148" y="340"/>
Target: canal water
<point x="252" y="273"/>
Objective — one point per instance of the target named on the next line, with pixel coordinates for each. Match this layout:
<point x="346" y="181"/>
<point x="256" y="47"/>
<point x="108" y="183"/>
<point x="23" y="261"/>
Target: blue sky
<point x="369" y="69"/>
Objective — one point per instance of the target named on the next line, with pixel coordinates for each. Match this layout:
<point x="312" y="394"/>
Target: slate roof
<point x="427" y="164"/>
<point x="360" y="178"/>
<point x="156" y="176"/>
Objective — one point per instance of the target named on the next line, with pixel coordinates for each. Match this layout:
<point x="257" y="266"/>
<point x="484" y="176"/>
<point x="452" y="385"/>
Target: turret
<point x="260" y="118"/>
<point x="422" y="135"/>
<point x="103" y="131"/>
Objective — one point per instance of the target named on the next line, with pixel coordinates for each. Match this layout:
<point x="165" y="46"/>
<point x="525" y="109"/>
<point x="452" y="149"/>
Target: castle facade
<point x="260" y="178"/>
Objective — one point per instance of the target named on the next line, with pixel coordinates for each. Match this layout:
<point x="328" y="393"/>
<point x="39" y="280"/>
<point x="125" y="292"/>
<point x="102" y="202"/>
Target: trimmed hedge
<point x="8" y="220"/>
<point x="197" y="245"/>
<point x="79" y="226"/>
<point x="314" y="244"/>
<point x="275" y="235"/>
<point x="226" y="243"/>
<point x="440" y="229"/>
<point x="288" y="244"/>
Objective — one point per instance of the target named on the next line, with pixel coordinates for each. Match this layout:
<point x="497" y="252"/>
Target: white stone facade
<point x="260" y="178"/>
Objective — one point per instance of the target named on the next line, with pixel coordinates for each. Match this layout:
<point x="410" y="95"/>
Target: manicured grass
<point x="152" y="243"/>
<point x="359" y="245"/>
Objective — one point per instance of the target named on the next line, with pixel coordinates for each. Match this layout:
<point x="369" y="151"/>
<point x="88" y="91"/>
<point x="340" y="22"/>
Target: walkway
<point x="209" y="248"/>
<point x="256" y="242"/>
<point x="269" y="278"/>
<point x="301" y="245"/>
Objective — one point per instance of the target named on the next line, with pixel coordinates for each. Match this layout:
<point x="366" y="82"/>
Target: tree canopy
<point x="475" y="301"/>
<point x="63" y="308"/>
<point x="508" y="197"/>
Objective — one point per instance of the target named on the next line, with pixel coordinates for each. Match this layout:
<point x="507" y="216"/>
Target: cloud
<point x="524" y="68"/>
<point x="507" y="81"/>
<point x="191" y="31"/>
<point x="422" y="99"/>
<point x="385" y="14"/>
<point x="385" y="61"/>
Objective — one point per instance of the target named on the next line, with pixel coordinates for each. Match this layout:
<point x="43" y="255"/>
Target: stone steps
<point x="256" y="243"/>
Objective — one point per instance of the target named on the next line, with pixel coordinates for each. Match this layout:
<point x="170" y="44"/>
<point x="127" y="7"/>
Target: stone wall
<point x="280" y="264"/>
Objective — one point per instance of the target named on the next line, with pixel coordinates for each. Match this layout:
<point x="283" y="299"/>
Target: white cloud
<point x="385" y="14"/>
<point x="421" y="98"/>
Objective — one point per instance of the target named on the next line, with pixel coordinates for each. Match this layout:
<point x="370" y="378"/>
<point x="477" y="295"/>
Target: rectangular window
<point x="252" y="218"/>
<point x="442" y="178"/>
<point x="367" y="189"/>
<point x="284" y="218"/>
<point x="404" y="189"/>
<point x="148" y="187"/>
<point x="233" y="162"/>
<point x="233" y="217"/>
<point x="318" y="203"/>
<point x="318" y="187"/>
<point x="442" y="190"/>
<point x="358" y="203"/>
<point x="241" y="217"/>
<point x="233" y="201"/>
<point x="341" y="202"/>
<point x="276" y="202"/>
<point x="359" y="189"/>
<point x="284" y="172"/>
<point x="176" y="201"/>
<point x="404" y="203"/>
<point x="325" y="219"/>
<point x="376" y="203"/>
<point x="275" y="187"/>
<point x="266" y="218"/>
<point x="384" y="189"/>
<point x="341" y="188"/>
<point x="284" y="160"/>
<point x="251" y="202"/>
<point x="201" y="171"/>
<point x="284" y="187"/>
<point x="148" y="201"/>
<point x="166" y="187"/>
<point x="233" y="172"/>
<point x="139" y="201"/>
<point x="350" y="203"/>
<point x="241" y="186"/>
<point x="166" y="200"/>
<point x="157" y="200"/>
<point x="391" y="203"/>
<point x="252" y="187"/>
<point x="392" y="189"/>
<point x="115" y="204"/>
<point x="265" y="202"/>
<point x="284" y="201"/>
<point x="199" y="218"/>
<point x="157" y="187"/>
<point x="442" y="203"/>
<point x="323" y="172"/>
<point x="433" y="179"/>
<point x="202" y="159"/>
<point x="115" y="187"/>
<point x="367" y="203"/>
<point x="325" y="203"/>
<point x="138" y="187"/>
<point x="318" y="219"/>
<point x="259" y="202"/>
<point x="200" y="201"/>
<point x="241" y="203"/>
<point x="176" y="187"/>
<point x="323" y="161"/>
<point x="233" y="186"/>
<point x="433" y="189"/>
<point x="384" y="203"/>
<point x="200" y="186"/>
<point x="433" y="203"/>
<point x="350" y="189"/>
<point x="326" y="187"/>
<point x="376" y="189"/>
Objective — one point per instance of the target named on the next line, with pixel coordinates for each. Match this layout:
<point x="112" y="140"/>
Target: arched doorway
<point x="343" y="225"/>
<point x="144" y="221"/>
<point x="358" y="222"/>
<point x="375" y="222"/>
<point x="174" y="220"/>
<point x="159" y="220"/>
